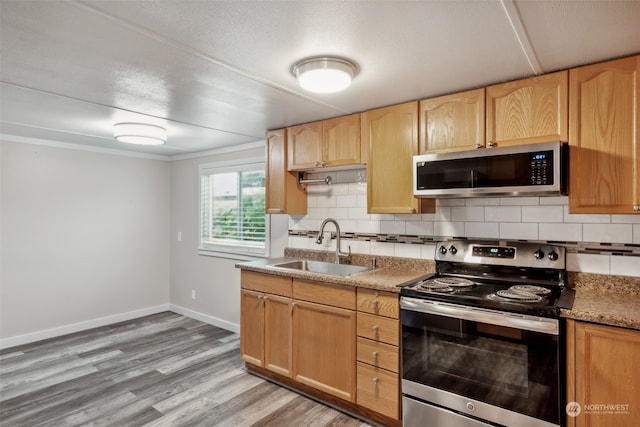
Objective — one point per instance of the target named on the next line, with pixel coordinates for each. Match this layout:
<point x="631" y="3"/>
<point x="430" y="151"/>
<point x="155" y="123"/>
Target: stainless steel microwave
<point x="521" y="170"/>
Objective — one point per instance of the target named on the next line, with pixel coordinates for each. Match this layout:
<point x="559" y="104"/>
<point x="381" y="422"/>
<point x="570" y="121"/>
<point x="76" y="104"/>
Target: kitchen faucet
<point x="320" y="237"/>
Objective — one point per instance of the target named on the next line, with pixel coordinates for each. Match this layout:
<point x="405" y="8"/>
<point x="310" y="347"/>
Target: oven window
<point x="510" y="368"/>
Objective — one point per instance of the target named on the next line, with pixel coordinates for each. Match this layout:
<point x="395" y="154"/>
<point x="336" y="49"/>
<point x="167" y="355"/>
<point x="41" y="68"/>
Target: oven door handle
<point x="511" y="320"/>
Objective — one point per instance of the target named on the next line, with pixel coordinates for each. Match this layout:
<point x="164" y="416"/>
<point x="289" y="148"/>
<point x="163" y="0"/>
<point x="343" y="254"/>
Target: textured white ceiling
<point x="216" y="73"/>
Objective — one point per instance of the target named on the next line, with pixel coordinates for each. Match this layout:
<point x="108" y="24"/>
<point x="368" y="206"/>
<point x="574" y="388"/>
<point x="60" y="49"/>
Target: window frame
<point x="232" y="250"/>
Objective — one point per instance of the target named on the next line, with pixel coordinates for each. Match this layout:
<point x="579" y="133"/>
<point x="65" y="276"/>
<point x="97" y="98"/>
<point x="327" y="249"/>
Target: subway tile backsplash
<point x="602" y="244"/>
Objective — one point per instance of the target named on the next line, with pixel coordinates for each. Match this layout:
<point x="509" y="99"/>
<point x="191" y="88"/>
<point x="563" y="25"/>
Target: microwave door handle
<point x="473" y="178"/>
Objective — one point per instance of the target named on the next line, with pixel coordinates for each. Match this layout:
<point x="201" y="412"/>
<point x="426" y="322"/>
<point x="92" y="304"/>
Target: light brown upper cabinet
<point x="283" y="193"/>
<point x="329" y="143"/>
<point x="528" y="110"/>
<point x="391" y="134"/>
<point x="604" y="137"/>
<point x="452" y="122"/>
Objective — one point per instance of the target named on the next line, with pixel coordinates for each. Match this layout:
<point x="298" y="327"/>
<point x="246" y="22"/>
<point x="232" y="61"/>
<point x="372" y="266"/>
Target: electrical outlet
<point x="193" y="294"/>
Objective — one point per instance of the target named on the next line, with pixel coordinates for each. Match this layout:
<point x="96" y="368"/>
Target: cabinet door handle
<point x="375" y="380"/>
<point x="259" y="297"/>
<point x="274" y="210"/>
<point x="265" y="297"/>
<point x="636" y="208"/>
<point x="491" y="144"/>
<point x="317" y="163"/>
<point x="324" y="163"/>
<point x="374" y="354"/>
<point x="293" y="305"/>
<point x="478" y="146"/>
<point x="375" y="303"/>
<point x="375" y="328"/>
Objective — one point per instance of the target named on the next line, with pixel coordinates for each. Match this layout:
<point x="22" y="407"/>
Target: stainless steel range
<point x="482" y="342"/>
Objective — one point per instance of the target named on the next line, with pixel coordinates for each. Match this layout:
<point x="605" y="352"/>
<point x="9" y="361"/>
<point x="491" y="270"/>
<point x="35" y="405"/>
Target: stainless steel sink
<point x="322" y="267"/>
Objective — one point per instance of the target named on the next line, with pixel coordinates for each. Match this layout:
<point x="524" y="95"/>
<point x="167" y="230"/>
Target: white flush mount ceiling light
<point x="324" y="74"/>
<point x="139" y="133"/>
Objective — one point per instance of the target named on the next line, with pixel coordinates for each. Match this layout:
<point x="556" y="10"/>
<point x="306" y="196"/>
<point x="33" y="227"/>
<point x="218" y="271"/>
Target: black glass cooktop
<point x="525" y="298"/>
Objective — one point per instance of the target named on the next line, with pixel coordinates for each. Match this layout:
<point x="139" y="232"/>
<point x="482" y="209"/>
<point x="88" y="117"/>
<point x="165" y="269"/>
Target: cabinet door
<point x="305" y="146"/>
<point x="284" y="194"/>
<point x="324" y="352"/>
<point x="392" y="136"/>
<point x="252" y="327"/>
<point x="528" y="111"/>
<point x="607" y="368"/>
<point x="604" y="137"/>
<point x="341" y="141"/>
<point x="278" y="349"/>
<point x="452" y="122"/>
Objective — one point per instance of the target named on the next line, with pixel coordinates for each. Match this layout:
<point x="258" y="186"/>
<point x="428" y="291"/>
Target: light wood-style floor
<point x="159" y="370"/>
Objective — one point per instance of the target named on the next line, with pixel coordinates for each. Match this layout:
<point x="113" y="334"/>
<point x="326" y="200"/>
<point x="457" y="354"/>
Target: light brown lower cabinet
<point x="378" y="389"/>
<point x="324" y="351"/>
<point x="265" y="322"/>
<point x="378" y="352"/>
<point x="309" y="335"/>
<point x="603" y="375"/>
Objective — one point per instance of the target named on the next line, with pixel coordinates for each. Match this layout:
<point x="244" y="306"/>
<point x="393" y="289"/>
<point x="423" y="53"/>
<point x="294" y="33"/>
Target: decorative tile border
<point x="616" y="249"/>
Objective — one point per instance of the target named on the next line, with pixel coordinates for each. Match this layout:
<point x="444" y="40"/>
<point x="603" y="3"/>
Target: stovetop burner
<point x="514" y="295"/>
<point x="445" y="284"/>
<point x="455" y="282"/>
<point x="517" y="277"/>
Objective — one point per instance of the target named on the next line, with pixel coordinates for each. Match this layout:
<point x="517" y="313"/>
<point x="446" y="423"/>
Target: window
<point x="232" y="208"/>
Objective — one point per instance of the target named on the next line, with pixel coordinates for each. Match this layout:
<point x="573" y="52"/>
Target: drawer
<point x="325" y="293"/>
<point x="269" y="283"/>
<point x="379" y="328"/>
<point x="378" y="302"/>
<point x="378" y="354"/>
<point x="378" y="390"/>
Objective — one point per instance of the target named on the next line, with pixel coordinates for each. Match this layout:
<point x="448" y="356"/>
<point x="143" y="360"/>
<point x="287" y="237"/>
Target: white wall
<point x="216" y="281"/>
<point x="85" y="236"/>
<point x="509" y="218"/>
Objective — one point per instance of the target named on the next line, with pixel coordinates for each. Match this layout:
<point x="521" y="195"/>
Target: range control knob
<point x="538" y="254"/>
<point x="553" y="256"/>
<point x="453" y="250"/>
<point x="443" y="250"/>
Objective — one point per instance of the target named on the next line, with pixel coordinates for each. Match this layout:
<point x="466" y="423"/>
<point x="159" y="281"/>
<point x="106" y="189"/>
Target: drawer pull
<point x="375" y="328"/>
<point x="375" y="380"/>
<point x="374" y="354"/>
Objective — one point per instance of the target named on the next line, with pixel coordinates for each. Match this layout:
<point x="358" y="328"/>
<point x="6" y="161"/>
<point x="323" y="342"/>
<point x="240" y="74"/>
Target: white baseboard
<point x="80" y="326"/>
<point x="224" y="324"/>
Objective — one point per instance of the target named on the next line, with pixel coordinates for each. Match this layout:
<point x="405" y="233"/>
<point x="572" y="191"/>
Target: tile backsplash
<point x="602" y="244"/>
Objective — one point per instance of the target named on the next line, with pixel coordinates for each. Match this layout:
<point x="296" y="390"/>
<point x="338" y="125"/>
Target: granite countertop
<point x="605" y="299"/>
<point x="608" y="300"/>
<point x="382" y="278"/>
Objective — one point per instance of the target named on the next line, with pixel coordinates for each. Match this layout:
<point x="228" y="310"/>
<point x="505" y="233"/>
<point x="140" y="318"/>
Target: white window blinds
<point x="232" y="208"/>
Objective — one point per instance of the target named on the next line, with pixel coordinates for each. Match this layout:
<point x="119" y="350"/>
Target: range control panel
<point x="521" y="254"/>
<point x="494" y="251"/>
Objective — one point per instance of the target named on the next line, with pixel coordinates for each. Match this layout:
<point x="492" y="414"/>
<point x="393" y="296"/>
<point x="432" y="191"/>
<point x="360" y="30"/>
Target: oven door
<point x="497" y="366"/>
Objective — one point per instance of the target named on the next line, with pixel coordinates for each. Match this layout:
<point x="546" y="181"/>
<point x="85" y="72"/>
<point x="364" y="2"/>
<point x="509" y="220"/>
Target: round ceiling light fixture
<point x="324" y="74"/>
<point x="140" y="133"/>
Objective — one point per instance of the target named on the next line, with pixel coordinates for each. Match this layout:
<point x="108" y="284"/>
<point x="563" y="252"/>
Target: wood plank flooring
<point x="159" y="370"/>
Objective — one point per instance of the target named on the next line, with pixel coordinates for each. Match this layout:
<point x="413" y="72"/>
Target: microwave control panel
<point x="542" y="168"/>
